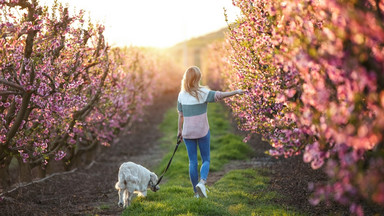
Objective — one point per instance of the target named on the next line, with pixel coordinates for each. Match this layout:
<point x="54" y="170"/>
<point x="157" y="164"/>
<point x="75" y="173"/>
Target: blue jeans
<point x="204" y="146"/>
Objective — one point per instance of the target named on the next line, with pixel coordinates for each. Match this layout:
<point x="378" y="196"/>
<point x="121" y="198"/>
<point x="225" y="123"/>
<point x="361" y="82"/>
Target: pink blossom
<point x="60" y="155"/>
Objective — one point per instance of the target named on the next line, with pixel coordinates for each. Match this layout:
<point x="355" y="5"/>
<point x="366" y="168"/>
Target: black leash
<point x="169" y="163"/>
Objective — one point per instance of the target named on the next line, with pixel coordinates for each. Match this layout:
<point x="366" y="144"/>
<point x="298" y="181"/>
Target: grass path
<point x="238" y="192"/>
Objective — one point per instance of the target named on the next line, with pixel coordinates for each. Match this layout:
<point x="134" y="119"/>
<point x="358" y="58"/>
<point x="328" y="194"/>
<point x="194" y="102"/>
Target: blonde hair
<point x="191" y="81"/>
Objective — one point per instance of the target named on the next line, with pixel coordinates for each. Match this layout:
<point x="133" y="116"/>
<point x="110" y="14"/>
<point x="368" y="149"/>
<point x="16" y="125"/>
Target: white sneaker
<point x="200" y="188"/>
<point x="197" y="195"/>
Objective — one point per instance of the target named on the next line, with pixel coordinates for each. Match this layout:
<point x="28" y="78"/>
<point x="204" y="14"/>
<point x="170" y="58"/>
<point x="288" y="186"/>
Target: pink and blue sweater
<point x="194" y="111"/>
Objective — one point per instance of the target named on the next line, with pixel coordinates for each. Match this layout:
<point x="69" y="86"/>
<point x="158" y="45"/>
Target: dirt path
<point x="90" y="191"/>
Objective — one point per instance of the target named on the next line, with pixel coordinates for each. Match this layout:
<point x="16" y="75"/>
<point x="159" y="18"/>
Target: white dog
<point x="134" y="178"/>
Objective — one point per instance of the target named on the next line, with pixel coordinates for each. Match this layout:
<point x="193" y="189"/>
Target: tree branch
<point x="6" y="93"/>
<point x="52" y="84"/>
<point x="22" y="3"/>
<point x="27" y="54"/>
<point x="20" y="116"/>
<point x="77" y="114"/>
<point x="11" y="84"/>
<point x="10" y="114"/>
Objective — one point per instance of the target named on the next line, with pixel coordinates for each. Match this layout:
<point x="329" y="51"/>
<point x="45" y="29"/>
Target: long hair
<point x="191" y="80"/>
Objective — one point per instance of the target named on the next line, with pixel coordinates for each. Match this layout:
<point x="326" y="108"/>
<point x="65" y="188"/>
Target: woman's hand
<point x="179" y="135"/>
<point x="239" y="91"/>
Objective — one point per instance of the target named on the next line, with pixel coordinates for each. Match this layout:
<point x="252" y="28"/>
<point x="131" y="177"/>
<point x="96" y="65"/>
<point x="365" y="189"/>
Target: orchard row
<point x="63" y="90"/>
<point x="313" y="72"/>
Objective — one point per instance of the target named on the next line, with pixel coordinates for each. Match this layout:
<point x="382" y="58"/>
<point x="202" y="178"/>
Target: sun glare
<point x="155" y="23"/>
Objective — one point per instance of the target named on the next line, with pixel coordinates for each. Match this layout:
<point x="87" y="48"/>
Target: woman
<point x="193" y="124"/>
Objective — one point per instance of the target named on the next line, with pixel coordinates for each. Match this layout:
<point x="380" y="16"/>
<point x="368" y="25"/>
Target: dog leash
<point x="169" y="163"/>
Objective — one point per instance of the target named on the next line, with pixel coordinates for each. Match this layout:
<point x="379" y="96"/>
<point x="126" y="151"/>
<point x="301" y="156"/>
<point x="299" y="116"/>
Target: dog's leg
<point x="130" y="193"/>
<point x="121" y="202"/>
<point x="126" y="199"/>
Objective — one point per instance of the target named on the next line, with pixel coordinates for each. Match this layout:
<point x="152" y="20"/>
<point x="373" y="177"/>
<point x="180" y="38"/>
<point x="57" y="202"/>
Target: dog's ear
<point x="153" y="177"/>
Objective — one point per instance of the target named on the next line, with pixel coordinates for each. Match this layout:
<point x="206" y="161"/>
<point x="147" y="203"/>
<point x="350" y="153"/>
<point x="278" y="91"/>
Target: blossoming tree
<point x="314" y="75"/>
<point x="63" y="91"/>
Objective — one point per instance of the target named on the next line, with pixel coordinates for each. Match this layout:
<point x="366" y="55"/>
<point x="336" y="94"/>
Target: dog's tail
<point x="122" y="183"/>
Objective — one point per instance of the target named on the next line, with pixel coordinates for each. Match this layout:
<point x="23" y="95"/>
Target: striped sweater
<point x="194" y="111"/>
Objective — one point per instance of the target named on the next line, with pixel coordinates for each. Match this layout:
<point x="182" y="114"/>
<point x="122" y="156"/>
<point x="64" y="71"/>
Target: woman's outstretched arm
<point x="231" y="93"/>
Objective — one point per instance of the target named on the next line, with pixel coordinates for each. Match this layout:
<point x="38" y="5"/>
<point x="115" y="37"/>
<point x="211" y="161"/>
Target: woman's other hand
<point x="179" y="135"/>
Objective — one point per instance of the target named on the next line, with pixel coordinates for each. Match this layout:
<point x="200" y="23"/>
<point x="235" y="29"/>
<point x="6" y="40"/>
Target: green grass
<point x="104" y="206"/>
<point x="240" y="192"/>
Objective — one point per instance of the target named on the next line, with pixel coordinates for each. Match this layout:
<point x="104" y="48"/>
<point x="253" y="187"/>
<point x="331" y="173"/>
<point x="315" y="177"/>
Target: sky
<point x="157" y="23"/>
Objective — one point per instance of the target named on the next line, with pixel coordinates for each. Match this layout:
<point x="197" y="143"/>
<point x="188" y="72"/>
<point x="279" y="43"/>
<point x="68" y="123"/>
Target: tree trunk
<point x="5" y="180"/>
<point x="69" y="160"/>
<point x="42" y="172"/>
<point x="25" y="173"/>
<point x="91" y="154"/>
